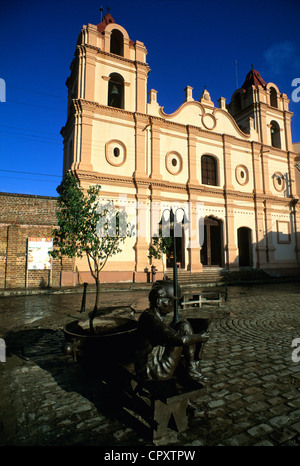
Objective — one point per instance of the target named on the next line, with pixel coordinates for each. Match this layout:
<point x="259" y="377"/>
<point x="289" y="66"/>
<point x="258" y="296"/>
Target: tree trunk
<point x="96" y="307"/>
<point x="97" y="299"/>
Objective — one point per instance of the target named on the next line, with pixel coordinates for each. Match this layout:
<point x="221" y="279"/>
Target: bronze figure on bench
<point x="163" y="348"/>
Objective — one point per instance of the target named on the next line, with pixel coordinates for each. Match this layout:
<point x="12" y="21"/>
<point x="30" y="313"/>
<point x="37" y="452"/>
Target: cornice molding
<point x="226" y="194"/>
<point x="113" y="55"/>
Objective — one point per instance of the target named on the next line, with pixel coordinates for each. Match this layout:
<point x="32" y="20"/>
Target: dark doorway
<point x="212" y="248"/>
<point x="245" y="247"/>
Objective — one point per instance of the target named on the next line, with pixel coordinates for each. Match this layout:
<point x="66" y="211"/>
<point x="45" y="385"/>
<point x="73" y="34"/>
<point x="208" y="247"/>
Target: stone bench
<point x="197" y="300"/>
<point x="168" y="401"/>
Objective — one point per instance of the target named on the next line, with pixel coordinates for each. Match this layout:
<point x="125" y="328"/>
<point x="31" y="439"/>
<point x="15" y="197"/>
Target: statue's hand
<point x="204" y="336"/>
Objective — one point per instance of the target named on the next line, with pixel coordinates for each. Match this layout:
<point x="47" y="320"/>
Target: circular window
<point x="242" y="174"/>
<point x="115" y="153"/>
<point x="173" y="163"/>
<point x="278" y="181"/>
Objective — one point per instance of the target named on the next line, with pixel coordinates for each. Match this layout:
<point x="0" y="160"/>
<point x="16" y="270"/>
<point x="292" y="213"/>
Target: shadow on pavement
<point x="109" y="391"/>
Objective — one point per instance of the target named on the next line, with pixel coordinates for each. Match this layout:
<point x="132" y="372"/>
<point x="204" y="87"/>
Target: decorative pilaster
<point x="141" y="122"/>
<point x="256" y="151"/>
<point x="84" y="135"/>
<point x="194" y="247"/>
<point x="260" y="239"/>
<point x="155" y="150"/>
<point x="227" y="163"/>
<point x="141" y="86"/>
<point x="265" y="170"/>
<point x="141" y="246"/>
<point x="231" y="250"/>
<point x="191" y="135"/>
<point x="90" y="73"/>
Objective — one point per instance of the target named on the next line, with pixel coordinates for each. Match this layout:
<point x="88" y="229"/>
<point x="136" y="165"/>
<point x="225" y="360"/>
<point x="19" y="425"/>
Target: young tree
<point x="160" y="245"/>
<point x="85" y="226"/>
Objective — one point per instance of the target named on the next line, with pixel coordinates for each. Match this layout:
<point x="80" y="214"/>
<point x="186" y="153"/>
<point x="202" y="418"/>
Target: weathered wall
<point x="23" y="216"/>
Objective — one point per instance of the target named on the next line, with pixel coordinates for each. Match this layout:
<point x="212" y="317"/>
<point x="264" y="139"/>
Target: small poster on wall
<point x="38" y="253"/>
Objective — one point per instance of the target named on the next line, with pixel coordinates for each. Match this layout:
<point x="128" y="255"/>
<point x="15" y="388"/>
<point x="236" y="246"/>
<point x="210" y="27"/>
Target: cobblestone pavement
<point x="252" y="398"/>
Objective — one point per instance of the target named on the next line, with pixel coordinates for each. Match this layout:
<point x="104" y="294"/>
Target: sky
<point x="209" y="43"/>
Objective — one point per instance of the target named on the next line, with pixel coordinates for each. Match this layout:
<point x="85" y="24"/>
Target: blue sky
<point x="189" y="42"/>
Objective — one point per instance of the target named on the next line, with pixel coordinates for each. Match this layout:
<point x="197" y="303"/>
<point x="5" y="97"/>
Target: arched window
<point x="275" y="134"/>
<point x="116" y="91"/>
<point x="116" y="42"/>
<point x="273" y="97"/>
<point x="209" y="170"/>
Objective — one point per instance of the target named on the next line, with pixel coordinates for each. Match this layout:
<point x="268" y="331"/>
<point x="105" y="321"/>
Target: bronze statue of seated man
<point x="163" y="348"/>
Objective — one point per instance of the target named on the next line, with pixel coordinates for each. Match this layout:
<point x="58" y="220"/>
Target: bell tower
<point x="108" y="79"/>
<point x="267" y="107"/>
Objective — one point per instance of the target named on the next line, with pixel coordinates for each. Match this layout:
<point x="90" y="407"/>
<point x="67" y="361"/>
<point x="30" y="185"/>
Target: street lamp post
<point x="175" y="278"/>
<point x="172" y="221"/>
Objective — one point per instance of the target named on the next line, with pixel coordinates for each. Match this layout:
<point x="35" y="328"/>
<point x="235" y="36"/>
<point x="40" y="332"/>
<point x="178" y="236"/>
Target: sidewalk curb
<point x="128" y="287"/>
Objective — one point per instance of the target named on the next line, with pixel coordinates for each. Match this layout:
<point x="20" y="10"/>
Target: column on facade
<point x="140" y="180"/>
<point x="141" y="246"/>
<point x="261" y="246"/>
<point x="90" y="73"/>
<point x="155" y="149"/>
<point x="193" y="244"/>
<point x="141" y="122"/>
<point x="193" y="232"/>
<point x="262" y="115"/>
<point x="141" y="86"/>
<point x="291" y="188"/>
<point x="270" y="248"/>
<point x="258" y="196"/>
<point x="192" y="155"/>
<point x="231" y="257"/>
<point x="265" y="170"/>
<point x="287" y="116"/>
<point x="80" y="76"/>
<point x="231" y="253"/>
<point x="228" y="169"/>
<point x="76" y="145"/>
<point x="85" y="137"/>
<point x="296" y="213"/>
<point x="256" y="170"/>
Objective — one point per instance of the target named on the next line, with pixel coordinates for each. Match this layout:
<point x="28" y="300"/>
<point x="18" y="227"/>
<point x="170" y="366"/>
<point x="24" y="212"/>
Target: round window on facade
<point x="242" y="174"/>
<point x="115" y="153"/>
<point x="278" y="181"/>
<point x="174" y="163"/>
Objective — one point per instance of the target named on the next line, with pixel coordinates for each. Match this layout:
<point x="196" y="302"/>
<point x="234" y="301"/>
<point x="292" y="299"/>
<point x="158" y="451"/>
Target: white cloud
<point x="282" y="56"/>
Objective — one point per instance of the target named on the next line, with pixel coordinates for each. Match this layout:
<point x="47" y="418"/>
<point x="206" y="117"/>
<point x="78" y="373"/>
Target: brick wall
<point x="23" y="216"/>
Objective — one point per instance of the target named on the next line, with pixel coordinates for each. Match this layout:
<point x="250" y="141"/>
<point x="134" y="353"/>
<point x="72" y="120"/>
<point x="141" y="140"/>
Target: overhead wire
<point x="35" y="92"/>
<point x="29" y="173"/>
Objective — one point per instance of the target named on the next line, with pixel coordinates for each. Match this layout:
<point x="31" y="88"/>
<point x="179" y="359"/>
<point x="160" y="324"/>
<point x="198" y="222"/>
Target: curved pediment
<point x="206" y="117"/>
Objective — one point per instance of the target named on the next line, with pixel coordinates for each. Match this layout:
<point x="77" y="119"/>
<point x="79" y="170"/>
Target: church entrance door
<point x="245" y="247"/>
<point x="212" y="248"/>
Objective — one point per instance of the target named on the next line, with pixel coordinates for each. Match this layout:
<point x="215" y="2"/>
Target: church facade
<point x="231" y="168"/>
